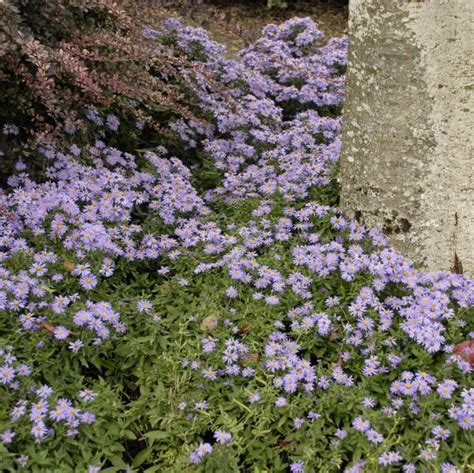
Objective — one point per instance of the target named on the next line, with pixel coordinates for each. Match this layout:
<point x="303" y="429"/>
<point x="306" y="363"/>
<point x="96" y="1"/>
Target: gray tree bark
<point x="407" y="162"/>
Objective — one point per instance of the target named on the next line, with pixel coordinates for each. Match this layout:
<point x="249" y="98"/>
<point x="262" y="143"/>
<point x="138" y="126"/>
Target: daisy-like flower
<point x="312" y="416"/>
<point x="22" y="460"/>
<point x="428" y="454"/>
<point x="374" y="437"/>
<point x="7" y="373"/>
<point x="281" y="401"/>
<point x="209" y="373"/>
<point x="112" y="122"/>
<point x="231" y="292"/>
<point x="332" y="301"/>
<point x="365" y="323"/>
<point x="87" y="418"/>
<point x="360" y="424"/>
<point x="7" y="436"/>
<point x="465" y="421"/>
<point x="388" y="458"/>
<point x="44" y="391"/>
<point x="440" y="432"/>
<point x="163" y="270"/>
<point x="254" y="397"/>
<point x="76" y="345"/>
<point x="88" y="281"/>
<point x="446" y="389"/>
<point x="194" y="457"/>
<point x="368" y="402"/>
<point x="144" y="306"/>
<point x="204" y="449"/>
<point x="200" y="405"/>
<point x="61" y="333"/>
<point x="58" y="414"/>
<point x="297" y="467"/>
<point x="230" y="356"/>
<point x="449" y="468"/>
<point x="39" y="430"/>
<point x="222" y="437"/>
<point x="87" y="395"/>
<point x="272" y="300"/>
<point x="298" y="422"/>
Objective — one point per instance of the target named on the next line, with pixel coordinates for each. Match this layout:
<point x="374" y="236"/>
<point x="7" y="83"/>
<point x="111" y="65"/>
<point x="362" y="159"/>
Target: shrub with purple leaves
<point x="204" y="306"/>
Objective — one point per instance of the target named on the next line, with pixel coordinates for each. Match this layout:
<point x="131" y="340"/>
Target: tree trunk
<point x="407" y="163"/>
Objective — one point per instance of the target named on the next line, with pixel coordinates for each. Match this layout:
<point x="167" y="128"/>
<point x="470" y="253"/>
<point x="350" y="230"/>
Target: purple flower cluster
<point x="274" y="145"/>
<point x="201" y="451"/>
<point x="389" y="458"/>
<point x="295" y="51"/>
<point x="282" y="358"/>
<point x="12" y="372"/>
<point x="35" y="404"/>
<point x="221" y="437"/>
<point x="463" y="414"/>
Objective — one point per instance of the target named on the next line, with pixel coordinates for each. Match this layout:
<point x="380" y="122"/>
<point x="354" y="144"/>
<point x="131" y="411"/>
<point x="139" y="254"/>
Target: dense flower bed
<point x="219" y="313"/>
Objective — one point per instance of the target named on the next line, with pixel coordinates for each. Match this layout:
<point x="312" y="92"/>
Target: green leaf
<point x="157" y="434"/>
<point x="141" y="457"/>
<point x="153" y="469"/>
<point x="118" y="462"/>
<point x="128" y="434"/>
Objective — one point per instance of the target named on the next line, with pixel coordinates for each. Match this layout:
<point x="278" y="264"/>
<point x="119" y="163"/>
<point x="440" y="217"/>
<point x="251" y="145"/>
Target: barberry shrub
<point x="64" y="63"/>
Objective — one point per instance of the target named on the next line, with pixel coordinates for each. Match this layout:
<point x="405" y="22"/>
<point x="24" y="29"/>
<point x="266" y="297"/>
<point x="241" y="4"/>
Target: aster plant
<point x="215" y="311"/>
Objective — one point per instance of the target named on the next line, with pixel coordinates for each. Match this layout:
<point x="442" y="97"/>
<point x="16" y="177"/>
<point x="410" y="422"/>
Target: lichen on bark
<point x="405" y="166"/>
